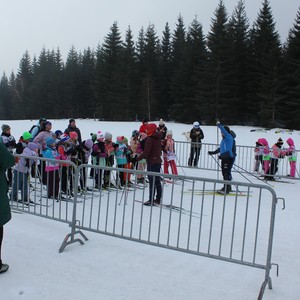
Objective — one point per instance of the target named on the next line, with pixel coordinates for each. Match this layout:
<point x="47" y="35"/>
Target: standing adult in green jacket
<point x="6" y="161"/>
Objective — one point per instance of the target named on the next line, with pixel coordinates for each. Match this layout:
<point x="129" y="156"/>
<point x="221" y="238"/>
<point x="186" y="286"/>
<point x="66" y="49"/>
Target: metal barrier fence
<point x="237" y="227"/>
<point x="244" y="162"/>
<point x="192" y="218"/>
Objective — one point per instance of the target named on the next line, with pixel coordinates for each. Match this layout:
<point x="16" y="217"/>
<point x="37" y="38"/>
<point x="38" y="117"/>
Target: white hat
<point x="161" y="122"/>
<point x="100" y="135"/>
<point x="196" y="124"/>
<point x="169" y="132"/>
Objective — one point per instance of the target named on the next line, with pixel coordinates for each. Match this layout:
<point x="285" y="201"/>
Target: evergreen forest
<point x="239" y="73"/>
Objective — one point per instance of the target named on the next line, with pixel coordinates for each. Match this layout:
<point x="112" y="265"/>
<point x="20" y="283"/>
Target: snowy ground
<point x="110" y="268"/>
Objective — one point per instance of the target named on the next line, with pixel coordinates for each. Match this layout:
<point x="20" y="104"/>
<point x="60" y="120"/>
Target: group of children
<point x="62" y="149"/>
<point x="268" y="157"/>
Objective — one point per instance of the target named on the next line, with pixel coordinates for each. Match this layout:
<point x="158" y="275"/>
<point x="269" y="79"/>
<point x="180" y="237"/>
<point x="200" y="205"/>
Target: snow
<point x="110" y="268"/>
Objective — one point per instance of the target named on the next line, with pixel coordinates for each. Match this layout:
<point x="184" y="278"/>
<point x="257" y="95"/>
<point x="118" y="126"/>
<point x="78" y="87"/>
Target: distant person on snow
<point x="196" y="135"/>
<point x="226" y="155"/>
<point x="292" y="156"/>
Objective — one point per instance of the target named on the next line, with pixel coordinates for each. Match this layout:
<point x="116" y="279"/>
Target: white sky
<point x="34" y="24"/>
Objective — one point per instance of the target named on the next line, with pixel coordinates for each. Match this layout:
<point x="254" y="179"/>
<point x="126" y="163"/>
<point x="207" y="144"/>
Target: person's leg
<point x="226" y="167"/>
<point x="173" y="167"/>
<point x="156" y="168"/>
<point x="197" y="154"/>
<point x="293" y="168"/>
<point x="190" y="162"/>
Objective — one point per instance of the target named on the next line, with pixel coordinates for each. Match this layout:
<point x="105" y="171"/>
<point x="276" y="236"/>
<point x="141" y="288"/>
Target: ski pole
<point x="252" y="174"/>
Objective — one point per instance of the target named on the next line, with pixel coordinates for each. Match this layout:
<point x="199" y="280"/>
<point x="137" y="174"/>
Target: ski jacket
<point x="99" y="154"/>
<point x="291" y="150"/>
<point x="24" y="164"/>
<point x="121" y="154"/>
<point x="6" y="161"/>
<point x="277" y="152"/>
<point x="8" y="141"/>
<point x="40" y="139"/>
<point x="226" y="144"/>
<point x="52" y="154"/>
<point x="73" y="129"/>
<point x="152" y="152"/>
<point x="196" y="135"/>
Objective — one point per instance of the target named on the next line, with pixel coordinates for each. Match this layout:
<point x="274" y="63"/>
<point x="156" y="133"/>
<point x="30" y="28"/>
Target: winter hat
<point x="26" y="136"/>
<point x="93" y="136"/>
<point x="49" y="141"/>
<point x="100" y="136"/>
<point x="71" y="120"/>
<point x="47" y="123"/>
<point x="64" y="138"/>
<point x="169" y="132"/>
<point x="125" y="140"/>
<point x="58" y="132"/>
<point x="135" y="133"/>
<point x="73" y="135"/>
<point x="290" y="142"/>
<point x="196" y="124"/>
<point x="88" y="144"/>
<point x="32" y="146"/>
<point x="5" y="127"/>
<point x="151" y="128"/>
<point x="227" y="128"/>
<point x="280" y="141"/>
<point x="161" y="122"/>
<point x="120" y="139"/>
<point x="108" y="136"/>
<point x="145" y="120"/>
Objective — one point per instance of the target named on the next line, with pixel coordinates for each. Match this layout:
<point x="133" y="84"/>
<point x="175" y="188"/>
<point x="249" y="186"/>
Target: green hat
<point x="26" y="136"/>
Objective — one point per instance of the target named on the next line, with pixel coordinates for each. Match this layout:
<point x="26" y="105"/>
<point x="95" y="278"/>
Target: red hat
<point x="151" y="128"/>
<point x="73" y="135"/>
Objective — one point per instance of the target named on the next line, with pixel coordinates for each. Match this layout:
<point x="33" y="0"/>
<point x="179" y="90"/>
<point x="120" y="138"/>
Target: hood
<point x="263" y="141"/>
<point x="290" y="142"/>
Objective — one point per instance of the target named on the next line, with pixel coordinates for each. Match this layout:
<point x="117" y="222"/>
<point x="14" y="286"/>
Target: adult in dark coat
<point x="196" y="136"/>
<point x="152" y="154"/>
<point x="72" y="128"/>
<point x="6" y="161"/>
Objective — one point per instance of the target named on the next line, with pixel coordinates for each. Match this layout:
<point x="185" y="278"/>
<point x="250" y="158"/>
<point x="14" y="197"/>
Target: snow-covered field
<point x="110" y="268"/>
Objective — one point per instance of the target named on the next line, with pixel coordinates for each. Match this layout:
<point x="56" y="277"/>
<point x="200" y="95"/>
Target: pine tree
<point x="178" y="77"/>
<point x="165" y="72"/>
<point x="109" y="77"/>
<point x="290" y="79"/>
<point x="6" y="112"/>
<point x="220" y="66"/>
<point x="266" y="59"/>
<point x="22" y="89"/>
<point x="239" y="35"/>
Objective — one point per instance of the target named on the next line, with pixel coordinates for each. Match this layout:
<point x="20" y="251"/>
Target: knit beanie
<point x="161" y="122"/>
<point x="64" y="138"/>
<point x="73" y="135"/>
<point x="71" y="120"/>
<point x="120" y="139"/>
<point x="93" y="136"/>
<point x="26" y="136"/>
<point x="169" y="132"/>
<point x="5" y="127"/>
<point x="49" y="141"/>
<point x="100" y="136"/>
<point x="108" y="136"/>
<point x="151" y="128"/>
<point x="58" y="133"/>
<point x="32" y="146"/>
<point x="88" y="144"/>
<point x="280" y="141"/>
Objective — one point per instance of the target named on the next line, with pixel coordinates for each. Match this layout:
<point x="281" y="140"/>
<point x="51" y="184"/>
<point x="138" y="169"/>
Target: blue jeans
<point x="154" y="182"/>
<point x="20" y="182"/>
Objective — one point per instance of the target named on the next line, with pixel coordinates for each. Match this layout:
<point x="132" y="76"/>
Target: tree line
<point x="239" y="73"/>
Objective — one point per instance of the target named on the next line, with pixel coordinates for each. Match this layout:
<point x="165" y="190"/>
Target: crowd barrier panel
<point x="244" y="162"/>
<point x="192" y="218"/>
<point x="31" y="192"/>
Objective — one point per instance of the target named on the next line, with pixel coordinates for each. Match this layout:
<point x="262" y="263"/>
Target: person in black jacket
<point x="196" y="136"/>
<point x="72" y="128"/>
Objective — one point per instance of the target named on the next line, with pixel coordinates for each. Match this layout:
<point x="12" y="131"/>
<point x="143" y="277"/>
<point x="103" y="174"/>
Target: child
<point x="52" y="168"/>
<point x="142" y="163"/>
<point x="169" y="154"/>
<point x="98" y="157"/>
<point x="121" y="156"/>
<point x="21" y="173"/>
<point x="259" y="150"/>
<point x="292" y="155"/>
<point x="266" y="154"/>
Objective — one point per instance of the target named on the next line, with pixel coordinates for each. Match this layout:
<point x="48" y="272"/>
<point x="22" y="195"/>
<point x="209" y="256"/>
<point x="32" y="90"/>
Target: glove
<point x="218" y="122"/>
<point x="210" y="152"/>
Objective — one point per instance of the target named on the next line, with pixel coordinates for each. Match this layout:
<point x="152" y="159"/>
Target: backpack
<point x="31" y="129"/>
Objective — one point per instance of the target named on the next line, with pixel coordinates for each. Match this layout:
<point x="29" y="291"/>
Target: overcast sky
<point x="34" y="24"/>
